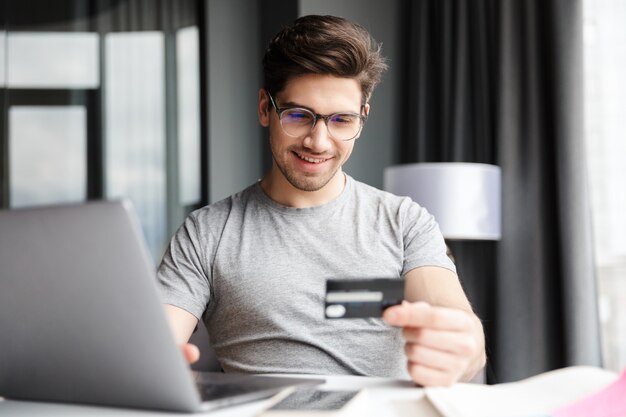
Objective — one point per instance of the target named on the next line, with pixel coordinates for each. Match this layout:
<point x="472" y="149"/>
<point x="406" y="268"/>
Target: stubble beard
<point x="301" y="181"/>
<point x="306" y="183"/>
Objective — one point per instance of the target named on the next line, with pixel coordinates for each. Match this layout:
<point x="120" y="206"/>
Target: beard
<point x="304" y="182"/>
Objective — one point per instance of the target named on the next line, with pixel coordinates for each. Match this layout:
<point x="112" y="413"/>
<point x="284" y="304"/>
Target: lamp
<point x="463" y="197"/>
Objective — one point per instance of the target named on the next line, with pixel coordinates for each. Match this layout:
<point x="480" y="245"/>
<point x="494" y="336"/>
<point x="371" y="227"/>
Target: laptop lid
<point x="80" y="316"/>
<point x="81" y="319"/>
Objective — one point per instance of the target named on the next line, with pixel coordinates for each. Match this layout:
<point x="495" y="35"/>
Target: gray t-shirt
<point x="256" y="271"/>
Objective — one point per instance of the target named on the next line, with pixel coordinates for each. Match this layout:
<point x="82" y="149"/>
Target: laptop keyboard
<point x="217" y="391"/>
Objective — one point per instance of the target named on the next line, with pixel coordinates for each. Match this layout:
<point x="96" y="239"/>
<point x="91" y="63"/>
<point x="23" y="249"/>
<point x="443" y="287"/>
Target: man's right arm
<point x="183" y="324"/>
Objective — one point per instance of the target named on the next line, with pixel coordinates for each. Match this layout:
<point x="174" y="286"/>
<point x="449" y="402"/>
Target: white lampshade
<point x="463" y="197"/>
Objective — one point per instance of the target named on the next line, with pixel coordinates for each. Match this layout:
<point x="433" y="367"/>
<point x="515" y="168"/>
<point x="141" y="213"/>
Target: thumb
<point x="190" y="352"/>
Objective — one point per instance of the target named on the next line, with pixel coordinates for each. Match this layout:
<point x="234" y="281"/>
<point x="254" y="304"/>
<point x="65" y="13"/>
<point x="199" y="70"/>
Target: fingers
<point x="422" y="314"/>
<point x="434" y="367"/>
<point x="433" y="358"/>
<point x="431" y="377"/>
<point x="440" y="342"/>
<point x="190" y="352"/>
<point x="452" y="342"/>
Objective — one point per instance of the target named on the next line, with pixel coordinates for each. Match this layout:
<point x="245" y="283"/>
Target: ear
<point x="264" y="108"/>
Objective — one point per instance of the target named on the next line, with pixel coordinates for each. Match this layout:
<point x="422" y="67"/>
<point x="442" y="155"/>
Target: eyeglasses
<point x="299" y="122"/>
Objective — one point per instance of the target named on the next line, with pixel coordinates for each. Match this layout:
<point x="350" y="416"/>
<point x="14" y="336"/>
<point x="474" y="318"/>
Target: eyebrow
<point x="291" y="104"/>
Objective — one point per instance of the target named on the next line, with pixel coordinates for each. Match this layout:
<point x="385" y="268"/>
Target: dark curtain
<point x="500" y="82"/>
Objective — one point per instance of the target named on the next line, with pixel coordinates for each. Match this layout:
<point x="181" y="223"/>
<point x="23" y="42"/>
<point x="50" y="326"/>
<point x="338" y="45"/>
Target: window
<point x="52" y="59"/>
<point x="135" y="127"/>
<point x="605" y="101"/>
<point x="188" y="79"/>
<point x="101" y="100"/>
<point x="47" y="147"/>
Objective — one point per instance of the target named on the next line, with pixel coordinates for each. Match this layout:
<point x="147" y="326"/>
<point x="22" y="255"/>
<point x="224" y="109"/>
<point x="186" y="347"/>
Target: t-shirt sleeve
<point x="183" y="275"/>
<point x="423" y="242"/>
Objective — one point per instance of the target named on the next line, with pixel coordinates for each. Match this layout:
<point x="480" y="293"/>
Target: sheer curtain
<point x="500" y="82"/>
<point x="605" y="99"/>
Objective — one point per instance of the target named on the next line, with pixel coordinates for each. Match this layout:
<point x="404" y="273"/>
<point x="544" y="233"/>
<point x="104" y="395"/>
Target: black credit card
<point x="361" y="298"/>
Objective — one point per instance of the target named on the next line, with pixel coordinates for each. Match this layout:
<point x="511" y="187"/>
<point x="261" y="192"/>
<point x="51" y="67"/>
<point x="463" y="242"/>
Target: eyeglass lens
<point x="299" y="122"/>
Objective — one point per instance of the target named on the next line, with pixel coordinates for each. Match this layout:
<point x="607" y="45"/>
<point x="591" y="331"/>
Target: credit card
<point x="361" y="298"/>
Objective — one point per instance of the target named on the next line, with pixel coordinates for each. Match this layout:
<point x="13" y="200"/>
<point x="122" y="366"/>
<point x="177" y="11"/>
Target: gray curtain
<point x="500" y="82"/>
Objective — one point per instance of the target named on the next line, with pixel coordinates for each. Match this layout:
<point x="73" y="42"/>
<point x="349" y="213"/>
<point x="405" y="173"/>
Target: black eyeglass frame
<point x="316" y="117"/>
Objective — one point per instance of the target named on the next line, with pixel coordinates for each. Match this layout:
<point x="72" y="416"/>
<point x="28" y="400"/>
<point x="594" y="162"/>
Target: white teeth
<point x="311" y="160"/>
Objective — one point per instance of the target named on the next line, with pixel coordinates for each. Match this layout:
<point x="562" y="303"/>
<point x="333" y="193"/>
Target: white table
<point x="384" y="397"/>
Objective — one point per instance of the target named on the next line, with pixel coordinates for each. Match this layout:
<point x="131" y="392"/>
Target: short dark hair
<point x="323" y="45"/>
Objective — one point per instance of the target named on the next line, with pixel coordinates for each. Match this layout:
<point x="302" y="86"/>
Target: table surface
<point x="383" y="397"/>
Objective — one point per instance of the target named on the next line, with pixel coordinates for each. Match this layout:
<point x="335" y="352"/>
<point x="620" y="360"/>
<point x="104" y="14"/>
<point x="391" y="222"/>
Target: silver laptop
<point x="81" y="319"/>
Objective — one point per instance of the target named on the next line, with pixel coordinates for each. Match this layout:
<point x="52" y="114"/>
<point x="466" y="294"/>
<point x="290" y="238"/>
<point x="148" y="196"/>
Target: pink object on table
<point x="609" y="402"/>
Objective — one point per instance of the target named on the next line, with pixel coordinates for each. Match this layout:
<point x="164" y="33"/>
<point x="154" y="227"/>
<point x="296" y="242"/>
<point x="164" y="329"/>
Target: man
<point x="254" y="265"/>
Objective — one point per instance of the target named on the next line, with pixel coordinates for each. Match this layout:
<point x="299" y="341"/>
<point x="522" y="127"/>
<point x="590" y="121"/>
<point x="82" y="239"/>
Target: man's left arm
<point x="445" y="342"/>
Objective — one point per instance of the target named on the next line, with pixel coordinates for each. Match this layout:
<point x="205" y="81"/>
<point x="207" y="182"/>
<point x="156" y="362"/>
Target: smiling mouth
<point x="311" y="160"/>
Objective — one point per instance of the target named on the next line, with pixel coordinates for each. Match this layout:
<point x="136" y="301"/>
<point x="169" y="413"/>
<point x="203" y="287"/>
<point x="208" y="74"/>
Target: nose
<point x="318" y="139"/>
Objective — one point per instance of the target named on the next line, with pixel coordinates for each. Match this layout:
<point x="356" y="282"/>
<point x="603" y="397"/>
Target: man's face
<point x="309" y="162"/>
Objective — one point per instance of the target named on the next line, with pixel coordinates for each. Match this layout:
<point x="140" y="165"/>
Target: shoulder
<point x="367" y="194"/>
<point x="212" y="218"/>
<point x="398" y="211"/>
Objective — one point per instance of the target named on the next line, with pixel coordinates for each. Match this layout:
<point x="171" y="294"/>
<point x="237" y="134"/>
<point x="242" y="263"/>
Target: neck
<point x="276" y="187"/>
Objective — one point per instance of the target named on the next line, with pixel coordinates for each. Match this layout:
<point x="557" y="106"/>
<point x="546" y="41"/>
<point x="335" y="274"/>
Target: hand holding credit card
<point x="361" y="298"/>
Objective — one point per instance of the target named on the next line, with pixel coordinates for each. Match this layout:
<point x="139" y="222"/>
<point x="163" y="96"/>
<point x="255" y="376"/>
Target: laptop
<point x="81" y="320"/>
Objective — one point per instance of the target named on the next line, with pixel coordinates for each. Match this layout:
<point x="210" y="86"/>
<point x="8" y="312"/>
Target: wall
<point x="375" y="149"/>
<point x="234" y="80"/>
